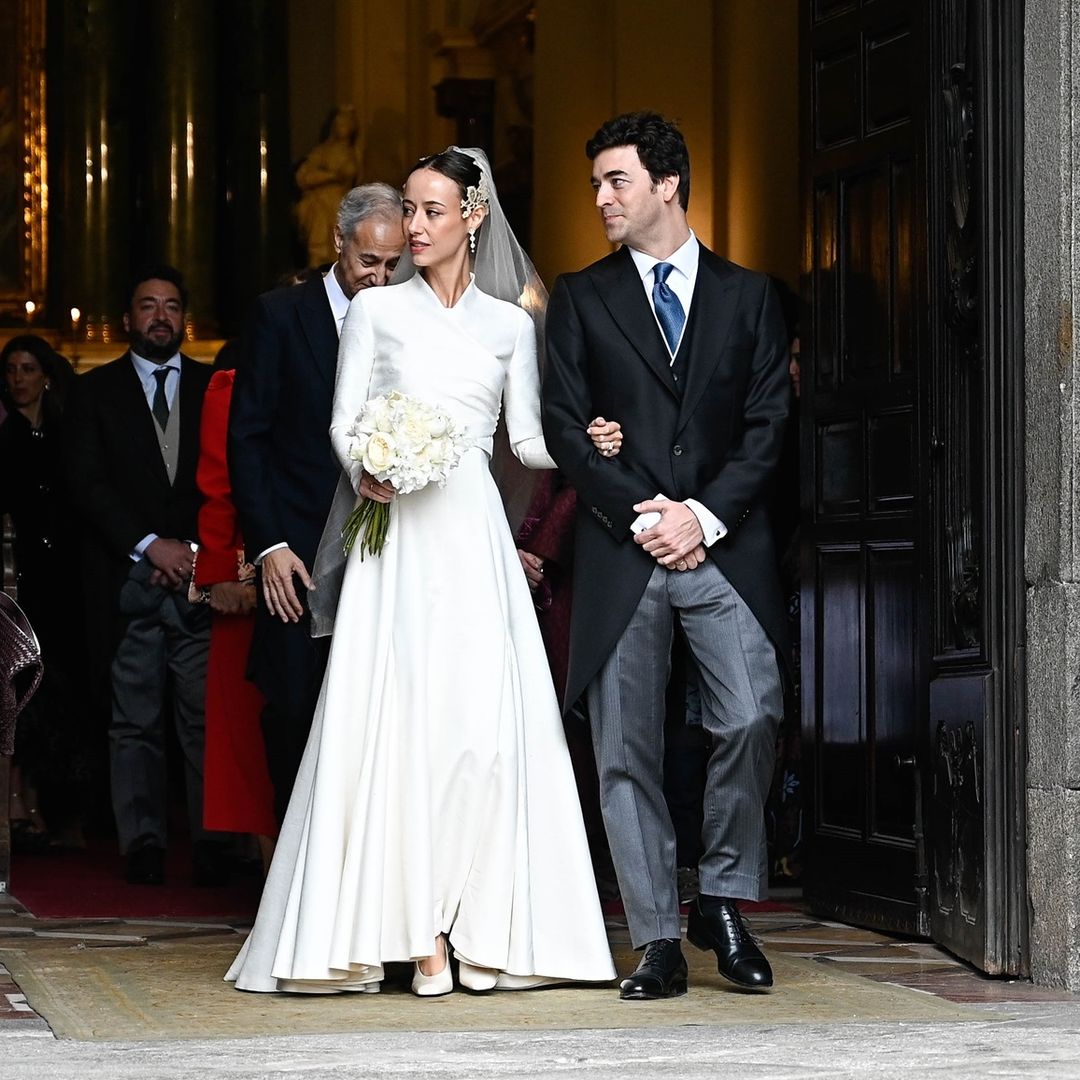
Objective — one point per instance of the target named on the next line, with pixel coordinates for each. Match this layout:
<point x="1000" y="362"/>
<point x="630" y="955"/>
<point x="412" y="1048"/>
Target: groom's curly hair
<point x="660" y="146"/>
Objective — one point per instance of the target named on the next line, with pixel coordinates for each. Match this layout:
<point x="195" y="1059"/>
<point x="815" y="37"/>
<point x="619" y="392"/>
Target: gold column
<point x="178" y="204"/>
<point x="574" y="93"/>
<point x="379" y="49"/>
<point x="94" y="194"/>
<point x="757" y="116"/>
<point x="594" y="61"/>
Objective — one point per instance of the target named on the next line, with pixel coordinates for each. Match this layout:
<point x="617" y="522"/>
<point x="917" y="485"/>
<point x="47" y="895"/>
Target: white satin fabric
<point x="436" y="792"/>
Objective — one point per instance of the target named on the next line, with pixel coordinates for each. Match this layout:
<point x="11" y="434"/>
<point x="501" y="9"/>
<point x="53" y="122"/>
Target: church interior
<point x="220" y="135"/>
<point x="209" y="134"/>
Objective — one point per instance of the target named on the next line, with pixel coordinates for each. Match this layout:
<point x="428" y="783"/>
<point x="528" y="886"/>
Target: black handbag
<point x="20" y="667"/>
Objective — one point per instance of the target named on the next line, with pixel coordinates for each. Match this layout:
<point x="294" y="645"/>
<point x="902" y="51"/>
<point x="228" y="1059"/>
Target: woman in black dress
<point x="35" y="382"/>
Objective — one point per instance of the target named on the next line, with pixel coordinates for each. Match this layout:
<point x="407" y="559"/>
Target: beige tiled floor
<point x="918" y="965"/>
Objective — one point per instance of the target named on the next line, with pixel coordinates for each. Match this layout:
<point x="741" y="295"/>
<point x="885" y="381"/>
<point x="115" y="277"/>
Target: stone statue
<point x="324" y="178"/>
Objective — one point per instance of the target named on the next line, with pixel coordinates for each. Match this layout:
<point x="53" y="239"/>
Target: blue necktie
<point x="669" y="312"/>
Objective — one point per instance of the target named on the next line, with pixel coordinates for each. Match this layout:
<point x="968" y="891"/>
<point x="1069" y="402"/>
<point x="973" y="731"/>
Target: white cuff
<point x="712" y="528"/>
<point x="138" y="552"/>
<point x="274" y="547"/>
<point x="648" y="519"/>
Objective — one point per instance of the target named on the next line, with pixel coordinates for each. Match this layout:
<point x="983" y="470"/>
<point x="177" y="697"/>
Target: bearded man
<point x="133" y="453"/>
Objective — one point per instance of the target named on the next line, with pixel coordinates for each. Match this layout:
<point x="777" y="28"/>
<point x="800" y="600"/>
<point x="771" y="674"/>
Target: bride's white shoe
<point x="476" y="978"/>
<point x="527" y="982"/>
<point x="442" y="982"/>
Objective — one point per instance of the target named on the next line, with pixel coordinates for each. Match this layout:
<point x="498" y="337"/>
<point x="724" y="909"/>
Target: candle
<point x="76" y="315"/>
<point x="31" y="307"/>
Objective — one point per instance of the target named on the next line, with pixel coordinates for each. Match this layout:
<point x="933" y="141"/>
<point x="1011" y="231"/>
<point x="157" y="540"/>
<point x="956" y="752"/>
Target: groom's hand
<point x="674" y="536"/>
<point x="692" y="559"/>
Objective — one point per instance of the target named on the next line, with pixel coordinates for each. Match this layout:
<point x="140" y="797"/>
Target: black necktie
<point x="669" y="312"/>
<point x="160" y="407"/>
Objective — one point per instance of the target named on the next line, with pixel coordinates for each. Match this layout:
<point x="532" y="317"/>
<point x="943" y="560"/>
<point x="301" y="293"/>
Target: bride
<point x="435" y="809"/>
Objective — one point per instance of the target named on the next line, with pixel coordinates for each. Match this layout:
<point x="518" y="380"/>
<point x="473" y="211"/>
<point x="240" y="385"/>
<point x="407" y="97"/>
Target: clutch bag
<point x="20" y="667"/>
<point x="200" y="594"/>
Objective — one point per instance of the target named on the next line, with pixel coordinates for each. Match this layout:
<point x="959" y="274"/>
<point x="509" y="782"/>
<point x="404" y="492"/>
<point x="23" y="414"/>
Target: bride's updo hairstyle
<point x="465" y="172"/>
<point x="454" y="165"/>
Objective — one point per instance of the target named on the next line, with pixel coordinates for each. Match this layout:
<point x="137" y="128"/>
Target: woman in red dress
<point x="238" y="796"/>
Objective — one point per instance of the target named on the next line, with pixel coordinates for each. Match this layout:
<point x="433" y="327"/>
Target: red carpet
<point x="90" y="885"/>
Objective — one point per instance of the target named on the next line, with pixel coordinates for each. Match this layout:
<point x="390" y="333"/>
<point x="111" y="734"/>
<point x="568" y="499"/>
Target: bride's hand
<point x="533" y="566"/>
<point x="377" y="490"/>
<point x="606" y="436"/>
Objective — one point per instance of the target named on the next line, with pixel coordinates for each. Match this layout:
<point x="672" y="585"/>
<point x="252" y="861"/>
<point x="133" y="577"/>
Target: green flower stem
<point x="372" y="519"/>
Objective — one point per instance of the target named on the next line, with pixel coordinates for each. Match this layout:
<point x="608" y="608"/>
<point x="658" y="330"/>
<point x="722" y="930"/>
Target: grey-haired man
<point x="282" y="468"/>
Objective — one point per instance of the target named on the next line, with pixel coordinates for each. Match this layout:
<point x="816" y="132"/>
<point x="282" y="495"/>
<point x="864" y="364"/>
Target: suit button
<point x="676" y="450"/>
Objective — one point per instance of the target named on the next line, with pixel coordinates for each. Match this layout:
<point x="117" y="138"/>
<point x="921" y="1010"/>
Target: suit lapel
<point x="616" y="280"/>
<point x="192" y="389"/>
<point x="317" y="321"/>
<point x="711" y="311"/>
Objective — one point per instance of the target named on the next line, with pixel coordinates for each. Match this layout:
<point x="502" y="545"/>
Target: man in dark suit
<point x="283" y="469"/>
<point x="134" y="449"/>
<point x="688" y="352"/>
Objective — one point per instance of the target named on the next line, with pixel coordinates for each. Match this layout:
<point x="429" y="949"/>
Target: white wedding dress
<point x="436" y="793"/>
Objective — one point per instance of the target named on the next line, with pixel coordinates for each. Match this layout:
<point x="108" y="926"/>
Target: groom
<point x="688" y="352"/>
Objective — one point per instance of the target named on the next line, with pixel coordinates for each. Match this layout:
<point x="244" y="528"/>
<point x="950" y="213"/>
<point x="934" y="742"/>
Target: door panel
<point x="912" y="600"/>
<point x="974" y="750"/>
<point x="865" y="699"/>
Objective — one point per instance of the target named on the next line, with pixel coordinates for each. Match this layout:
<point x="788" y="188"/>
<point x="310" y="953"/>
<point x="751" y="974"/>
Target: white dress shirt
<point x="145" y="370"/>
<point x="684" y="260"/>
<point x="681" y="281"/>
<point x="339" y="302"/>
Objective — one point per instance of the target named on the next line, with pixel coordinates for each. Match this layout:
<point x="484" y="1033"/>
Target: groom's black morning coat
<point x="710" y="430"/>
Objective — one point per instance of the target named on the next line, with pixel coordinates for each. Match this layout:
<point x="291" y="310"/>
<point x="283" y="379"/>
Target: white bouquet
<point x="405" y="441"/>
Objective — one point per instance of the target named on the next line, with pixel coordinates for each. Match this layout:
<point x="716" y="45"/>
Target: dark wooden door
<point x="910" y="420"/>
<point x="973" y="754"/>
<point x="863" y="622"/>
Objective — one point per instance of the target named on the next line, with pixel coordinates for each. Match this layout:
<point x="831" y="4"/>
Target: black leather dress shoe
<point x="145" y="866"/>
<point x="718" y="925"/>
<point x="661" y="973"/>
<point x="211" y="865"/>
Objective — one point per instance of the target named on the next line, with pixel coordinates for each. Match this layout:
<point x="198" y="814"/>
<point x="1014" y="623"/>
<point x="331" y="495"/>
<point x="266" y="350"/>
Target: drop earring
<point x="472" y="241"/>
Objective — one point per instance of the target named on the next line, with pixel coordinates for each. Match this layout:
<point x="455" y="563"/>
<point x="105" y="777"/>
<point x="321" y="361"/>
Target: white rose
<point x="440" y="450"/>
<point x="380" y="414"/>
<point x="358" y="446"/>
<point x="379" y="453"/>
<point x="413" y="431"/>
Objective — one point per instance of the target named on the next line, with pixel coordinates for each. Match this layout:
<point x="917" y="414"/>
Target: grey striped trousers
<point x="742" y="703"/>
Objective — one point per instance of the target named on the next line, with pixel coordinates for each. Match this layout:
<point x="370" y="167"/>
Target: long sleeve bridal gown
<point x="436" y="793"/>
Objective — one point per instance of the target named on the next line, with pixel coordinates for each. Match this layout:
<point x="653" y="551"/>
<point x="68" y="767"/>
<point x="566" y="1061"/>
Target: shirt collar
<point x="684" y="258"/>
<point x="145" y="368"/>
<point x="339" y="302"/>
